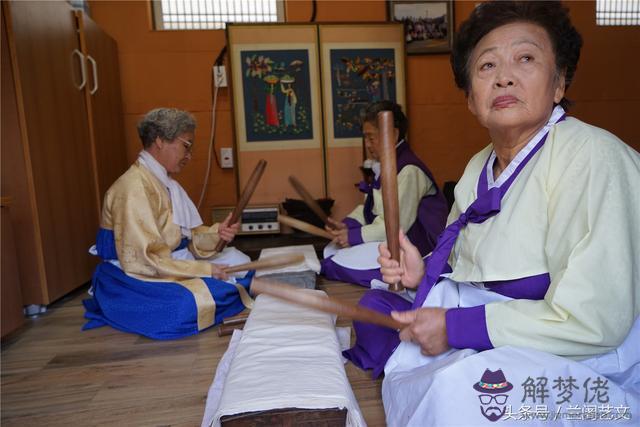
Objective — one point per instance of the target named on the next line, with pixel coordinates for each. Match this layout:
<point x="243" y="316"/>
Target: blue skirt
<point x="158" y="310"/>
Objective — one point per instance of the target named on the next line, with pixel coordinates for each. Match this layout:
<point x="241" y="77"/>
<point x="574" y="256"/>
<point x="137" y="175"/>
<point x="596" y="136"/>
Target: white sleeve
<point x="413" y="185"/>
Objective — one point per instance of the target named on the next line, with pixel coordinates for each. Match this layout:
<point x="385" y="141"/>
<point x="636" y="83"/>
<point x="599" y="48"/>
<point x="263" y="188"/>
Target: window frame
<point x="158" y="24"/>
<point x="617" y="13"/>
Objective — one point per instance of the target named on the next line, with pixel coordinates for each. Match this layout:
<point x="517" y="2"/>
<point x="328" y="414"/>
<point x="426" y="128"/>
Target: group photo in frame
<point x="428" y="24"/>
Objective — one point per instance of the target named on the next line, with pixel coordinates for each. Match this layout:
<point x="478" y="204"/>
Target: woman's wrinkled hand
<point x="337" y="225"/>
<point x="217" y="271"/>
<point x="340" y="233"/>
<point x="409" y="271"/>
<point x="228" y="232"/>
<point x="426" y="327"/>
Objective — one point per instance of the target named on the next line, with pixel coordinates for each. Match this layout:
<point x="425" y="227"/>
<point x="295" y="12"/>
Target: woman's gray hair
<point x="164" y="123"/>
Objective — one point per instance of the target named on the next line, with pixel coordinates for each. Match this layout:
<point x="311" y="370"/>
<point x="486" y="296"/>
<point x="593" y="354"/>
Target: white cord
<point x="211" y="145"/>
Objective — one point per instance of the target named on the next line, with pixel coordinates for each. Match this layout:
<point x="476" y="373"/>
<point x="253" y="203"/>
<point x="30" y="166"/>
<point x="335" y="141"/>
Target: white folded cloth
<point x="287" y="357"/>
<point x="310" y="262"/>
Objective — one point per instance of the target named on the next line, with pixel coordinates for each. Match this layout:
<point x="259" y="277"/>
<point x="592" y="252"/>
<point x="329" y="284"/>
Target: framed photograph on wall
<point x="428" y="24"/>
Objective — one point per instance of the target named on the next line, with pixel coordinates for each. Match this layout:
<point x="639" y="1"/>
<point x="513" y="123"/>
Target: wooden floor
<point x="55" y="375"/>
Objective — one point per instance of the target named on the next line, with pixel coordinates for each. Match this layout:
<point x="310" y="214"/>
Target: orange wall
<point x="172" y="68"/>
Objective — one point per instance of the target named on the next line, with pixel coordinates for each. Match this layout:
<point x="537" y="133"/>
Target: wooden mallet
<point x="310" y="201"/>
<point x="224" y="329"/>
<point x="267" y="262"/>
<point x="244" y="198"/>
<point x="237" y="319"/>
<point x="319" y="302"/>
<point x="389" y="184"/>
<point x="304" y="226"/>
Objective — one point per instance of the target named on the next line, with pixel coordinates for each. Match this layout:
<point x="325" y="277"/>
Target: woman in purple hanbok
<point x="352" y="255"/>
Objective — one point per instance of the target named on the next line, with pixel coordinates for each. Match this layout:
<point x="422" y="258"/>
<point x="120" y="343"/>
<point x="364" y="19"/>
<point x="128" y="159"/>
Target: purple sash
<point x="484" y="207"/>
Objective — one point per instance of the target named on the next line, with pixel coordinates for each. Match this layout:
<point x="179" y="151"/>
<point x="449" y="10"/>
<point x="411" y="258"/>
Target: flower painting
<point x="358" y="77"/>
<point x="277" y="95"/>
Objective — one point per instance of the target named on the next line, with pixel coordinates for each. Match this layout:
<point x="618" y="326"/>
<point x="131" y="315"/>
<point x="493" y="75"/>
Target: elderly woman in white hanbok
<point x="536" y="316"/>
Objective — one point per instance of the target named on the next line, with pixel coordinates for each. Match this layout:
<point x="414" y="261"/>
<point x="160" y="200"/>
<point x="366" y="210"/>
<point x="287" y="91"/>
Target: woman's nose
<point x="504" y="81"/>
<point x="504" y="78"/>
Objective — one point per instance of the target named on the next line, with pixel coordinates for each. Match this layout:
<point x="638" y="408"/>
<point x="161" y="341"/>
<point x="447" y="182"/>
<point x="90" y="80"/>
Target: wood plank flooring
<point x="53" y="374"/>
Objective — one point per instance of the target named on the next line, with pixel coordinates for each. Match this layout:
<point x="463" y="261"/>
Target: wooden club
<point x="244" y="198"/>
<point x="389" y="184"/>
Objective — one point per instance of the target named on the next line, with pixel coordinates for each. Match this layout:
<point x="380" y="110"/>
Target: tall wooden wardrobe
<point x="62" y="140"/>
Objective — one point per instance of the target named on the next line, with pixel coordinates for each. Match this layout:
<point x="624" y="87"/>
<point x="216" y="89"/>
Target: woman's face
<point x="174" y="155"/>
<point x="371" y="137"/>
<point x="513" y="78"/>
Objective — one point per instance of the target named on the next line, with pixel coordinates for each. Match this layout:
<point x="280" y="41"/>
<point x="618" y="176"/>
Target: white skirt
<point x="547" y="390"/>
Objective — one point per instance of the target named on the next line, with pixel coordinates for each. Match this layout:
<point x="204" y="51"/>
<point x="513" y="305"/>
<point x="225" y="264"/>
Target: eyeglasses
<point x="500" y="399"/>
<point x="188" y="145"/>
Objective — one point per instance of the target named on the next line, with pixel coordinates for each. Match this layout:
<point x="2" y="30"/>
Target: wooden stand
<point x="333" y="417"/>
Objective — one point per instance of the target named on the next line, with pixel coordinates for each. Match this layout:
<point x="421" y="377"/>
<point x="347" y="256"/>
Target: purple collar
<point x="484" y="207"/>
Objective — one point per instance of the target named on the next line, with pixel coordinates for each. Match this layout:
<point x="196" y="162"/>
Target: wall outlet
<point x="226" y="158"/>
<point x="219" y="76"/>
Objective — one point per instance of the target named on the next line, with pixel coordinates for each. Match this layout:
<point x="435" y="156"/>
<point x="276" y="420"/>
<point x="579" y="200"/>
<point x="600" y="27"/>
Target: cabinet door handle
<point x="94" y="64"/>
<point x="83" y="69"/>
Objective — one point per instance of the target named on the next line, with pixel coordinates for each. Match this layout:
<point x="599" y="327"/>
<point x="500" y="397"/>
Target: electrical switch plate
<point x="219" y="76"/>
<point x="226" y="158"/>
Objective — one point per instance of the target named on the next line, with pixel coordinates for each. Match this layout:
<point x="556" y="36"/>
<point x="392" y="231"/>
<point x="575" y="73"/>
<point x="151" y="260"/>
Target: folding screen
<point x="281" y="117"/>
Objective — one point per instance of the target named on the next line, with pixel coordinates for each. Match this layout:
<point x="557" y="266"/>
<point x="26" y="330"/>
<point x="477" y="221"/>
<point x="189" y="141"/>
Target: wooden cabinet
<point x="56" y="163"/>
<point x="11" y="298"/>
<point x="104" y="103"/>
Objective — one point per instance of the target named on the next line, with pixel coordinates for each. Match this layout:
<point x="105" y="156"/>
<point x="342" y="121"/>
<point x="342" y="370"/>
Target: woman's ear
<point x="158" y="142"/>
<point x="560" y="87"/>
<point x="396" y="133"/>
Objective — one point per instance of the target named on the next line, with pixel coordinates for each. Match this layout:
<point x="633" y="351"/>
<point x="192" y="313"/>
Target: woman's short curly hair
<point x="550" y="15"/>
<point x="164" y="123"/>
<point x="400" y="121"/>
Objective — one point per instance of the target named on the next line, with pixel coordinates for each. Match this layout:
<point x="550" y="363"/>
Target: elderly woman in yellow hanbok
<point x="161" y="276"/>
